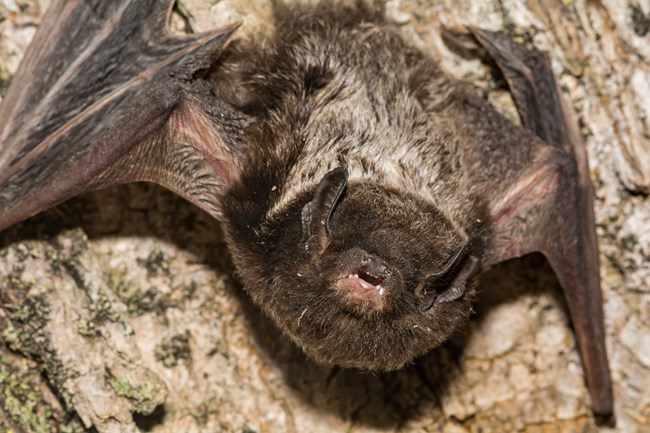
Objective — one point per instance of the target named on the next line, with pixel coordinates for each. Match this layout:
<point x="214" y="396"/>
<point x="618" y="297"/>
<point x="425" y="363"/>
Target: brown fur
<point x="338" y="87"/>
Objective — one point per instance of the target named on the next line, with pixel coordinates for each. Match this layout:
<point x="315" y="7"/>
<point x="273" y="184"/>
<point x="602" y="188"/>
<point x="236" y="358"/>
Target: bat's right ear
<point x="106" y="95"/>
<point x="450" y="283"/>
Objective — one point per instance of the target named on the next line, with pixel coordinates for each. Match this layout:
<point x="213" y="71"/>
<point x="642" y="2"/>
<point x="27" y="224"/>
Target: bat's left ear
<point x="450" y="283"/>
<point x="317" y="213"/>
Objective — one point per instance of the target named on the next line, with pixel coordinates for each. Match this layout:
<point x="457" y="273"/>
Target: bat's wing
<point x="541" y="197"/>
<point x="106" y="95"/>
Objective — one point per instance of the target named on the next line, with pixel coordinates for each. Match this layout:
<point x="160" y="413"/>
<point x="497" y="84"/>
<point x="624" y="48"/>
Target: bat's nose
<point x="374" y="267"/>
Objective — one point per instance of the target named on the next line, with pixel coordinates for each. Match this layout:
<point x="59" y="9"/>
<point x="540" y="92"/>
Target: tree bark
<point x="120" y="310"/>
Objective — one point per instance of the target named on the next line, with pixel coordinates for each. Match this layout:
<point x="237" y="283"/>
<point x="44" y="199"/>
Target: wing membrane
<point x="540" y="194"/>
<point x="100" y="79"/>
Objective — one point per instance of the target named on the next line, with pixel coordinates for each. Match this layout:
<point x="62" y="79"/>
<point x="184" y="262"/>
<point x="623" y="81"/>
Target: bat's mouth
<point x="367" y="281"/>
<point x="363" y="290"/>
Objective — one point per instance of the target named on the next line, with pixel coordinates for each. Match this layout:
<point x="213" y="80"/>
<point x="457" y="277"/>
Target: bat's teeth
<point x="353" y="276"/>
<point x="381" y="290"/>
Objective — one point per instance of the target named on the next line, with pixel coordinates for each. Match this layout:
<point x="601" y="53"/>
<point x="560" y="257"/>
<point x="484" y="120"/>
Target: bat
<point x="361" y="191"/>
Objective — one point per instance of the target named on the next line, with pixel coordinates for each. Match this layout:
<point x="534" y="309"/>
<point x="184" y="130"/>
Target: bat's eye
<point x="317" y="213"/>
<point x="450" y="283"/>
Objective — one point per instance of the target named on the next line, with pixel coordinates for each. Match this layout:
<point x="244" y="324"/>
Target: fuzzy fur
<point x="338" y="87"/>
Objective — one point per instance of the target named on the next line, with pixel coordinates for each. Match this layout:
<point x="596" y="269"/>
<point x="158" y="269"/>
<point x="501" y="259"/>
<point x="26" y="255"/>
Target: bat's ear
<point x="106" y="95"/>
<point x="450" y="283"/>
<point x="317" y="213"/>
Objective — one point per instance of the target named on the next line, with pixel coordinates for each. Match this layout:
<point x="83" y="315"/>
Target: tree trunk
<point x="120" y="309"/>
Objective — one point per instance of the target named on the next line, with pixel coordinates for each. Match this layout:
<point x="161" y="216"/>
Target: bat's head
<point x="363" y="276"/>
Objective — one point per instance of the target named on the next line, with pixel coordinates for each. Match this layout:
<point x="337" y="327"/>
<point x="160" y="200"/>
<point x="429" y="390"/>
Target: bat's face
<point x="363" y="276"/>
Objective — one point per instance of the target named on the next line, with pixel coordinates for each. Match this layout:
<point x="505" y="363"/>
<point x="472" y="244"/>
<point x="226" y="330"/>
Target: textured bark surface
<point x="120" y="310"/>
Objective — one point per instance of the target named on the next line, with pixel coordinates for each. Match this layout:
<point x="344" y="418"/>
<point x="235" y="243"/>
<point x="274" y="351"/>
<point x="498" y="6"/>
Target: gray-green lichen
<point x="22" y="401"/>
<point x="131" y="294"/>
<point x="124" y="289"/>
<point x="15" y="280"/>
<point x="144" y="397"/>
<point x="172" y="350"/>
<point x="24" y="329"/>
<point x="156" y="263"/>
<point x="140" y="301"/>
<point x="100" y="310"/>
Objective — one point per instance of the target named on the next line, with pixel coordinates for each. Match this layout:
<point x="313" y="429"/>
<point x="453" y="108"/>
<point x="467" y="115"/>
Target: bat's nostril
<point x="374" y="270"/>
